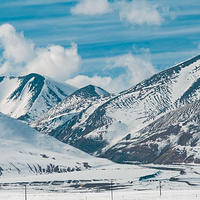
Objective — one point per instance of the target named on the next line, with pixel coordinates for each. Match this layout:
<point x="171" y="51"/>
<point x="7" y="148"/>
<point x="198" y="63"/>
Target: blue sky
<point x="113" y="45"/>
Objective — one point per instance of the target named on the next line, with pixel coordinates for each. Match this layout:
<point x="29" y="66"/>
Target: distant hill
<point x="24" y="151"/>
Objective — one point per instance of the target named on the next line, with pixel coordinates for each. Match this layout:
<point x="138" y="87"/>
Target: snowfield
<point x="96" y="183"/>
<point x="119" y="195"/>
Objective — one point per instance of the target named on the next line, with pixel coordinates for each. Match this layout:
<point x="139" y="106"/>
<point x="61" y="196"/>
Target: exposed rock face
<point x="68" y="114"/>
<point x="173" y="138"/>
<point x="156" y="121"/>
<point x="95" y="123"/>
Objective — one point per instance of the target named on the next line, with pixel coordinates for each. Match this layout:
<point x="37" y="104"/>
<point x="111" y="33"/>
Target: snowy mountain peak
<point x="84" y="100"/>
<point x="169" y="74"/>
<point x="90" y="91"/>
<point x="26" y="97"/>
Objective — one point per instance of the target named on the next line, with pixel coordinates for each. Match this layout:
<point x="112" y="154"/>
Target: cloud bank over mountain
<point x="20" y="56"/>
<point x="135" y="69"/>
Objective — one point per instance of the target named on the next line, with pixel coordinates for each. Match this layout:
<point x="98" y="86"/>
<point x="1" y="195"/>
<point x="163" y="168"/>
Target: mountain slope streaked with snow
<point x="132" y="109"/>
<point x="80" y="103"/>
<point x="173" y="138"/>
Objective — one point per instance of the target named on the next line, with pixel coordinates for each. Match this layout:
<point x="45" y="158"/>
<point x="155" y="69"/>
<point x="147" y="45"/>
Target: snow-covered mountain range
<point x="113" y="126"/>
<point x="96" y="126"/>
<point x="82" y="102"/>
<point x="27" y="97"/>
<point x="24" y="151"/>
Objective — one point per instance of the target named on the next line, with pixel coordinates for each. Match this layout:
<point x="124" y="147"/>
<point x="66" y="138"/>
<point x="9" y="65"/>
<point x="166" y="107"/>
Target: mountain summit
<point x="26" y="97"/>
<point x="80" y="103"/>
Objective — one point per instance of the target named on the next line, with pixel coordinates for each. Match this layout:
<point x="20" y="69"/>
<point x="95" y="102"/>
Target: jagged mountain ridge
<point x="83" y="101"/>
<point x="24" y="151"/>
<point x="132" y="109"/>
<point x="27" y="97"/>
<point x="173" y="138"/>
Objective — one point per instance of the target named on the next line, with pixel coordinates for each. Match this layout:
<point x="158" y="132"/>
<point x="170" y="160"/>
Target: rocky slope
<point x="131" y="110"/>
<point x="173" y="138"/>
<point x="83" y="101"/>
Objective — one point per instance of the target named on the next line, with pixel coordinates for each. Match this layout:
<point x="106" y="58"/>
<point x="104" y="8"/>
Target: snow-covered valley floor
<point x="96" y="183"/>
<point x="118" y="195"/>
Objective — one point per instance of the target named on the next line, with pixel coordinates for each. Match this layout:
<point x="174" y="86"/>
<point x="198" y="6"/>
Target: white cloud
<point x="136" y="70"/>
<point x="56" y="61"/>
<point x="111" y="85"/>
<point x="142" y="50"/>
<point x="137" y="12"/>
<point x="82" y="80"/>
<point x="91" y="7"/>
<point x="16" y="47"/>
<point x="21" y="57"/>
<point x="140" y="12"/>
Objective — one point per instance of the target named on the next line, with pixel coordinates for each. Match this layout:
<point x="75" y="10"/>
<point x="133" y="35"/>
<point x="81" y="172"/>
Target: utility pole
<point x="160" y="186"/>
<point x="111" y="189"/>
<point x="25" y="193"/>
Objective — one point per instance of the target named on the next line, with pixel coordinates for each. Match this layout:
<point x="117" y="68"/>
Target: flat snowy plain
<point x="118" y="195"/>
<point x="95" y="184"/>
